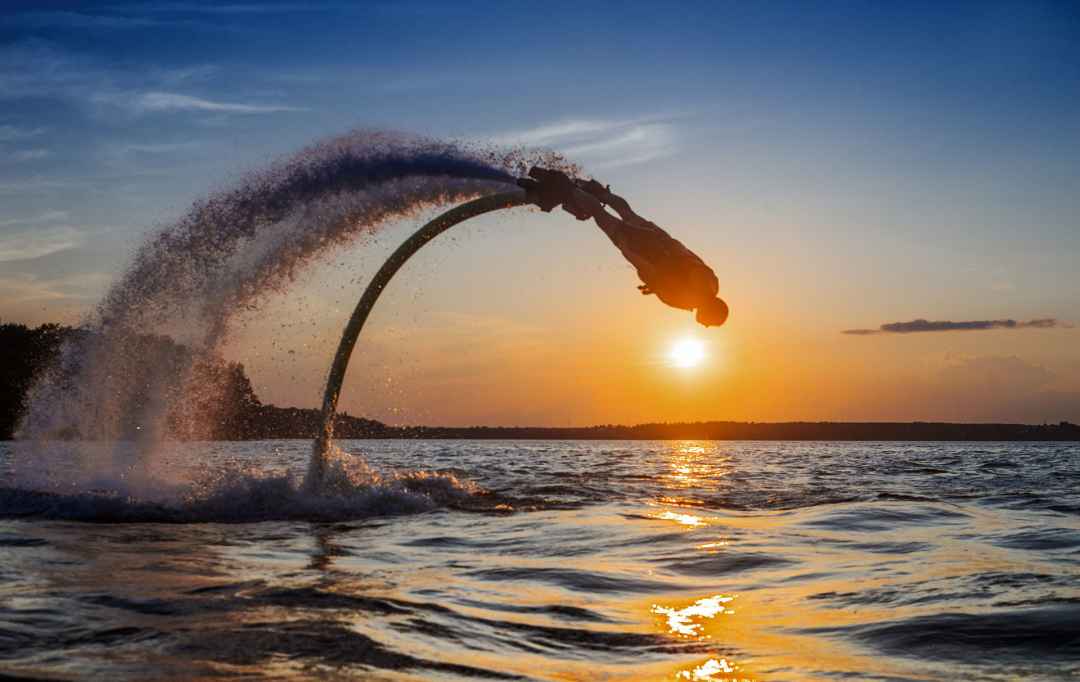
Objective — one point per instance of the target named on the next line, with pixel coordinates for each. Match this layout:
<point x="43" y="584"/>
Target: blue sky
<point x="923" y="155"/>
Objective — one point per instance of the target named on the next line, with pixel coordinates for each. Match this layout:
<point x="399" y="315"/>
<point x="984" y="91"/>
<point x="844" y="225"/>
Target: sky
<point x="843" y="166"/>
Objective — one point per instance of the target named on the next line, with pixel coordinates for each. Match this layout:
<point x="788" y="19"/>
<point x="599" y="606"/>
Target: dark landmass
<point x="828" y="431"/>
<point x="221" y="410"/>
<point x="238" y="414"/>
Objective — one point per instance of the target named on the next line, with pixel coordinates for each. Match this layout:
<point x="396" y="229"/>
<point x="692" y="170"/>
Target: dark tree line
<point x="822" y="431"/>
<point x="153" y="363"/>
<point x="224" y="405"/>
<point x="23" y="353"/>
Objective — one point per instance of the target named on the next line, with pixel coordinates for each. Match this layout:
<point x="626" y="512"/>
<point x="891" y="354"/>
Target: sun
<point x="687" y="353"/>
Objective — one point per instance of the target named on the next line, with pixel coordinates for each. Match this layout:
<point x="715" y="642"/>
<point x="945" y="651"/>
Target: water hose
<point x="425" y="234"/>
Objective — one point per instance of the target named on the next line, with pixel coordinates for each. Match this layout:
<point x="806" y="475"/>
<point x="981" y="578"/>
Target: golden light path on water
<point x="752" y="619"/>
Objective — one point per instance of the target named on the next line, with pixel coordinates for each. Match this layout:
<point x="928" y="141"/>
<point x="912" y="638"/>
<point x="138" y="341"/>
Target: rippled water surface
<point x="552" y="561"/>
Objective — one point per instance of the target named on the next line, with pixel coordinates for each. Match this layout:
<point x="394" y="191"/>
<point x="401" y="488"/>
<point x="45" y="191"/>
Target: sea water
<point x="545" y="560"/>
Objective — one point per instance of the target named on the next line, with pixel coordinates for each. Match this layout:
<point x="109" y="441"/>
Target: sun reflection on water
<point x="684" y="519"/>
<point x="689" y="622"/>
<point x="682" y="621"/>
<point x="692" y="470"/>
<point x="712" y="670"/>
<point x="713" y="545"/>
<point x="690" y="466"/>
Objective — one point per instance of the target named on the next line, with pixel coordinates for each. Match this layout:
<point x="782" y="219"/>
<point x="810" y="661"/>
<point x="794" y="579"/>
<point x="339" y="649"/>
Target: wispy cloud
<point x="164" y="15"/>
<point x="28" y="288"/>
<point x="921" y="325"/>
<point x="10" y="133"/>
<point x="601" y="143"/>
<point x="28" y="245"/>
<point x="46" y="217"/>
<point x="172" y="101"/>
<point x="184" y="74"/>
<point x="29" y="155"/>
<point x="222" y="8"/>
<point x="67" y="19"/>
<point x="35" y="184"/>
<point x="631" y="137"/>
<point x="554" y="133"/>
<point x="157" y="148"/>
<point x="76" y="288"/>
<point x="96" y="181"/>
<point x="36" y="68"/>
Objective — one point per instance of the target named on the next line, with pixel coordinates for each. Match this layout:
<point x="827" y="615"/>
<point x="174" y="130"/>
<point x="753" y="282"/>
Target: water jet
<point x="674" y="273"/>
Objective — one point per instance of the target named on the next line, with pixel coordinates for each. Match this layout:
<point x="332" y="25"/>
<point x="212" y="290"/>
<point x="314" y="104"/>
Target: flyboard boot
<point x="550" y="188"/>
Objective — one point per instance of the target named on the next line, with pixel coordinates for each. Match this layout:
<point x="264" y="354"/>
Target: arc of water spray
<point x="546" y="189"/>
<point x="425" y="234"/>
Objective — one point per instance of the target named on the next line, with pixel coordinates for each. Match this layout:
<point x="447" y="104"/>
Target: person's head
<point x="713" y="313"/>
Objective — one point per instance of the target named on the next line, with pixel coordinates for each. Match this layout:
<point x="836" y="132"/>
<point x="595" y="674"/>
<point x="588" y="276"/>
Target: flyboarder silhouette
<point x="666" y="268"/>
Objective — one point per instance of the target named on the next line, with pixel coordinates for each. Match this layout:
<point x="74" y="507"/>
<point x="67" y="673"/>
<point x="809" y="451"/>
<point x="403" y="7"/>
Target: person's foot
<point x="595" y="188"/>
<point x="548" y="188"/>
<point x="575" y="208"/>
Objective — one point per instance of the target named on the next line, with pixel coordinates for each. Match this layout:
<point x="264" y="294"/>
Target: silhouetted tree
<point x="200" y="397"/>
<point x="23" y="353"/>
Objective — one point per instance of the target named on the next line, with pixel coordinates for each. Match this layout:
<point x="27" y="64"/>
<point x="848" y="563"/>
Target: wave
<point x="237" y="495"/>
<point x="1025" y="634"/>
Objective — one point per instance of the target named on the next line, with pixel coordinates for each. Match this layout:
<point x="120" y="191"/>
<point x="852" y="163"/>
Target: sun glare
<point x="687" y="353"/>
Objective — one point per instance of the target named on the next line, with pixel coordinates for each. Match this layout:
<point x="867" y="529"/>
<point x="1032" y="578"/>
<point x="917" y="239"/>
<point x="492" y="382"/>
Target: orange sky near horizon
<point x="523" y="318"/>
<point x="541" y="336"/>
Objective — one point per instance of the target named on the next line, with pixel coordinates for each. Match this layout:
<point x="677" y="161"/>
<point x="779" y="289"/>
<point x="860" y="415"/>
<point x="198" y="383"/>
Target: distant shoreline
<point x="268" y="422"/>
<point x="238" y="415"/>
<point x="303" y="423"/>
<point x="784" y="431"/>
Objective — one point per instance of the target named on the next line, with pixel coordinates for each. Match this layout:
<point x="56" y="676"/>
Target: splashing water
<point x="170" y="488"/>
<point x="227" y="254"/>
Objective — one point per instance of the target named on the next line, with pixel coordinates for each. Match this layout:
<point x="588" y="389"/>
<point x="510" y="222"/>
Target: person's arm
<point x="628" y="231"/>
<point x="614" y="228"/>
